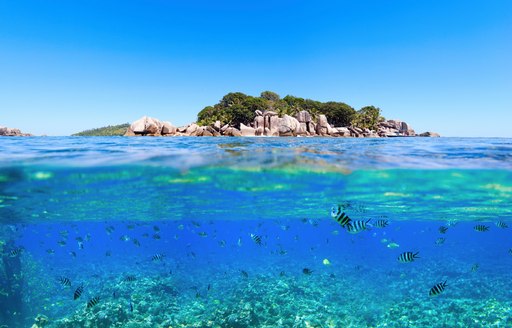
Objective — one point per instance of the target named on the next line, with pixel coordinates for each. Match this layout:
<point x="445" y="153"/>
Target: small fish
<point x="130" y="278"/>
<point x="314" y="223"/>
<point x="408" y="257"/>
<point x="156" y="236"/>
<point x="131" y="306"/>
<point x="65" y="281"/>
<point x="156" y="228"/>
<point x="239" y="242"/>
<point x="181" y="227"/>
<point x="501" y="224"/>
<point x="326" y="262"/>
<point x="510" y="251"/>
<point x="63" y="233"/>
<point x="79" y="239"/>
<point x="157" y="257"/>
<point x="50" y="251"/>
<point x="437" y="289"/>
<point x="78" y="292"/>
<point x="145" y="235"/>
<point x="16" y="252"/>
<point x="474" y="267"/>
<point x="61" y="243"/>
<point x="80" y="245"/>
<point x="443" y="229"/>
<point x="307" y="271"/>
<point x="335" y="232"/>
<point x="202" y="234"/>
<point x="222" y="243"/>
<point x="136" y="242"/>
<point x="87" y="237"/>
<point x="191" y="254"/>
<point x="209" y="287"/>
<point x="381" y="223"/>
<point x="72" y="253"/>
<point x="285" y="227"/>
<point x="256" y="239"/>
<point x="108" y="253"/>
<point x="282" y="274"/>
<point x="340" y="216"/>
<point x="244" y="274"/>
<point x="124" y="238"/>
<point x="440" y="241"/>
<point x="110" y="229"/>
<point x="93" y="301"/>
<point x="130" y="226"/>
<point x="481" y="228"/>
<point x="357" y="226"/>
<point x="196" y="224"/>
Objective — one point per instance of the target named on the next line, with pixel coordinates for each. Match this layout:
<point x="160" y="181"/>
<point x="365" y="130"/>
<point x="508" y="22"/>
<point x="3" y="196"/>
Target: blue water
<point x="96" y="210"/>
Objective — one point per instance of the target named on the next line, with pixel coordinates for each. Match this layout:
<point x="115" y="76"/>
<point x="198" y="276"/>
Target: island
<point x="238" y="114"/>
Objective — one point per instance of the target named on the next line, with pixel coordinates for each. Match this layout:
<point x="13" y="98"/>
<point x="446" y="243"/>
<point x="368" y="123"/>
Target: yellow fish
<point x="326" y="262"/>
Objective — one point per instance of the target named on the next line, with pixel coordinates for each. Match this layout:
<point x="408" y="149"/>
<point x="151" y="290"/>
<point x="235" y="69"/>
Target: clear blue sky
<point x="66" y="66"/>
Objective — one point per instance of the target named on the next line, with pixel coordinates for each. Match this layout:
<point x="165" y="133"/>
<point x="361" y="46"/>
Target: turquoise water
<point x="176" y="215"/>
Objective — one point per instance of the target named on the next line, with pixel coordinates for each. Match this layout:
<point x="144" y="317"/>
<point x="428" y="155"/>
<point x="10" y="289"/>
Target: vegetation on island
<point x="236" y="107"/>
<point x="106" y="131"/>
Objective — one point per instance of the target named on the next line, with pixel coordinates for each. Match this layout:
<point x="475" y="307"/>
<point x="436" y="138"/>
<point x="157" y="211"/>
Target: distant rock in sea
<point x="268" y="123"/>
<point x="11" y="132"/>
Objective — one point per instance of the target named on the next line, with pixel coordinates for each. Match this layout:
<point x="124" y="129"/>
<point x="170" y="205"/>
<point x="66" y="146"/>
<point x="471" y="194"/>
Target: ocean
<point x="255" y="232"/>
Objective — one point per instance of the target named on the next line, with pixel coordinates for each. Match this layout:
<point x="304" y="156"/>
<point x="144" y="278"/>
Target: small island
<point x="238" y="114"/>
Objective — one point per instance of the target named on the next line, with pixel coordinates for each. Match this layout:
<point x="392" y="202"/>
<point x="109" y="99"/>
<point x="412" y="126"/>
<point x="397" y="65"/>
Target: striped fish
<point x="501" y="224"/>
<point x="437" y="289"/>
<point x="408" y="257"/>
<point x="93" y="301"/>
<point x="256" y="239"/>
<point x="443" y="229"/>
<point x="357" y="226"/>
<point x="15" y="252"/>
<point x="78" y="292"/>
<point x="481" y="228"/>
<point x="130" y="278"/>
<point x="65" y="281"/>
<point x="157" y="257"/>
<point x="340" y="216"/>
<point x="381" y="223"/>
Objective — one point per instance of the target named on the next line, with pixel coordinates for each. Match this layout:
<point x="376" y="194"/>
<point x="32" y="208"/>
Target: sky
<point x="67" y="66"/>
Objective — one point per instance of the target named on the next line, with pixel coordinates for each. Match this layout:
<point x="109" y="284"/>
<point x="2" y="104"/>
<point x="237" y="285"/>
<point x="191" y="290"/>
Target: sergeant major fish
<point x="340" y="216"/>
<point x="437" y="289"/>
<point x="408" y="257"/>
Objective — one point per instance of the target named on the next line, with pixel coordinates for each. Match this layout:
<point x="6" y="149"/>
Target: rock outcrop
<point x="148" y="126"/>
<point x="10" y="132"/>
<point x="269" y="123"/>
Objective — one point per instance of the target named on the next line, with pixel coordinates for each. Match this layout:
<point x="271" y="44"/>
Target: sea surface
<point x="255" y="232"/>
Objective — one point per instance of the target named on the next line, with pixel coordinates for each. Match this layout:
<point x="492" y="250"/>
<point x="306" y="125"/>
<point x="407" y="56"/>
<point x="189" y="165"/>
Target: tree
<point x="269" y="95"/>
<point x="338" y="113"/>
<point x="233" y="98"/>
<point x="367" y="117"/>
<point x="209" y="115"/>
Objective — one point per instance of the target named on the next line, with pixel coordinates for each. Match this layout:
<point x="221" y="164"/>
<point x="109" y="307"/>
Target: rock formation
<point x="269" y="123"/>
<point x="10" y="132"/>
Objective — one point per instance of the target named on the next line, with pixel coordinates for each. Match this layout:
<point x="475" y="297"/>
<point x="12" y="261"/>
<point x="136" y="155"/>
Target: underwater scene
<point x="255" y="232"/>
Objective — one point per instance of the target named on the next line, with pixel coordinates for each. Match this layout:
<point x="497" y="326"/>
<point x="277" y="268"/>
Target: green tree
<point x="269" y="95"/>
<point x="233" y="98"/>
<point x="367" y="117"/>
<point x="338" y="113"/>
<point x="209" y="115"/>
